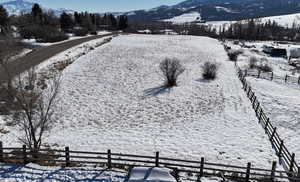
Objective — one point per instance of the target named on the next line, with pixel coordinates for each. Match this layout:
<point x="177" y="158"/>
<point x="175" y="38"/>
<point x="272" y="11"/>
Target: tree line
<point x="254" y="29"/>
<point x="46" y="27"/>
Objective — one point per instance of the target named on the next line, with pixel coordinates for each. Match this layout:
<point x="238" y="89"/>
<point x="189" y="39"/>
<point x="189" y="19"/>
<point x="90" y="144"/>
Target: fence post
<point x="201" y="167"/>
<point x="251" y="97"/>
<point x="248" y="93"/>
<point x="109" y="159"/>
<point x="267" y="123"/>
<point x="157" y="159"/>
<point x="260" y="115"/>
<point x="272" y="76"/>
<point x="1" y="151"/>
<point x="254" y="100"/>
<point x="280" y="149"/>
<point x="256" y="110"/>
<point x="176" y="174"/>
<point x="273" y="170"/>
<point x="292" y="163"/>
<point x="24" y="155"/>
<point x="248" y="172"/>
<point x="67" y="153"/>
<point x="299" y="80"/>
<point x="246" y="86"/>
<point x="258" y="75"/>
<point x="273" y="134"/>
<point x="286" y="76"/>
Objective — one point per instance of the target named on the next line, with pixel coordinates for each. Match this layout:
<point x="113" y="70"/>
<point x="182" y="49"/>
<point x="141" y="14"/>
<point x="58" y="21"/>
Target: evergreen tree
<point x="123" y="22"/>
<point x="113" y="21"/>
<point x="4" y="20"/>
<point x="66" y="22"/>
<point x="77" y="18"/>
<point x="36" y="10"/>
<point x="37" y="14"/>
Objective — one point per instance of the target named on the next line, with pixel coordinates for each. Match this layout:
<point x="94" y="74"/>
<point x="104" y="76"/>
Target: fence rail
<point x="271" y="76"/>
<point x="286" y="158"/>
<point x="109" y="159"/>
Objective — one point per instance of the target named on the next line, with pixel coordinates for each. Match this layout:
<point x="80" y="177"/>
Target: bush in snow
<point x="253" y="62"/>
<point x="56" y="37"/>
<point x="209" y="70"/>
<point x="81" y="32"/>
<point x="233" y="54"/>
<point x="265" y="68"/>
<point x="171" y="69"/>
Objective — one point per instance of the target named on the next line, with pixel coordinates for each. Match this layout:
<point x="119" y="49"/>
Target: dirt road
<point x="43" y="53"/>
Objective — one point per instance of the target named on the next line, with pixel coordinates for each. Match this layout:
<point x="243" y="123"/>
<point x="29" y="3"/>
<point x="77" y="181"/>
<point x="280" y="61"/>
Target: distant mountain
<point x="17" y="7"/>
<point x="219" y="10"/>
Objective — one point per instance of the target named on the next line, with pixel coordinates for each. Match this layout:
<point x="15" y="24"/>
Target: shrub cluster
<point x="171" y="68"/>
<point x="209" y="70"/>
<point x="81" y="32"/>
<point x="262" y="65"/>
<point x="43" y="33"/>
<point x="233" y="54"/>
<point x="253" y="62"/>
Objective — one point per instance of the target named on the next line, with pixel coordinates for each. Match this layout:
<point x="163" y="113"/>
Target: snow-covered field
<point x="185" y="18"/>
<point x="283" y="20"/>
<point x="112" y="98"/>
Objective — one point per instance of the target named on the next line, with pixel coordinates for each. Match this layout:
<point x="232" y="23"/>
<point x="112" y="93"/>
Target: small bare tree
<point x="35" y="107"/>
<point x="171" y="69"/>
<point x="32" y="104"/>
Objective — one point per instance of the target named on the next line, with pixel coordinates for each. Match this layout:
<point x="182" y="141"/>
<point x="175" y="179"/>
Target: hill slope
<point x="219" y="10"/>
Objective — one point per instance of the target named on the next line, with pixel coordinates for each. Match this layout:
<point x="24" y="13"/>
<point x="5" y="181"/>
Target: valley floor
<point x="113" y="98"/>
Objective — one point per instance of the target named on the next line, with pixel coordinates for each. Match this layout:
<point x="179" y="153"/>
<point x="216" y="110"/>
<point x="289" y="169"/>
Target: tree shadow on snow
<point x="59" y="174"/>
<point x="156" y="91"/>
<point x="202" y="80"/>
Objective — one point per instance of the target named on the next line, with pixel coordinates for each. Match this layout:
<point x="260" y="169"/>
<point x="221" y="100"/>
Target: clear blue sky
<point x="104" y="5"/>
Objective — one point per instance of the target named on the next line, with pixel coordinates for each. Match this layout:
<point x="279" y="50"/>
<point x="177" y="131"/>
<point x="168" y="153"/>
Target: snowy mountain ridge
<point x="18" y="7"/>
<point x="219" y="10"/>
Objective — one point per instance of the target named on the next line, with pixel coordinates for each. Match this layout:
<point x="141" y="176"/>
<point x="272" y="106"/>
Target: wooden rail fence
<point x="271" y="76"/>
<point x="110" y="159"/>
<point x="286" y="158"/>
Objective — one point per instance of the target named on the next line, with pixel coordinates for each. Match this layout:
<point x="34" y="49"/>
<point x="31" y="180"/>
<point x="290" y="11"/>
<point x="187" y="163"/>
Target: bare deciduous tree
<point x="171" y="69"/>
<point x="31" y="102"/>
<point x="36" y="107"/>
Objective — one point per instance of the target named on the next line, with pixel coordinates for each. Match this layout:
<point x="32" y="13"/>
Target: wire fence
<point x="271" y="76"/>
<point x="286" y="158"/>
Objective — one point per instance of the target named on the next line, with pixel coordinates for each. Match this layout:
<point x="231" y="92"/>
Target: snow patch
<point x="185" y="18"/>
